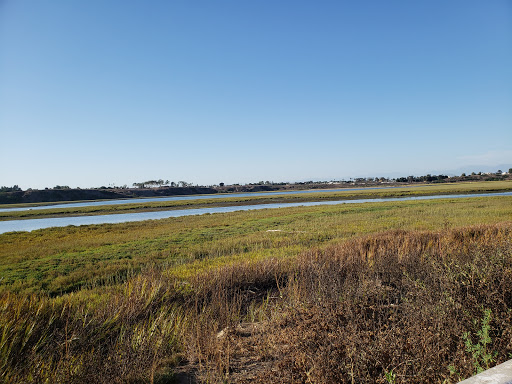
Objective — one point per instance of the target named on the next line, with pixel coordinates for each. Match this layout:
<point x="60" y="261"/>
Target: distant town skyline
<point x="113" y="92"/>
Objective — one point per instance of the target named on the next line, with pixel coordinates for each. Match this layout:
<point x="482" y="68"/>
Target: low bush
<point x="404" y="307"/>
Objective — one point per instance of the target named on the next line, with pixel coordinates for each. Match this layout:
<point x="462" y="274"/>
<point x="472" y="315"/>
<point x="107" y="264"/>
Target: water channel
<point x="33" y="224"/>
<point x="181" y="198"/>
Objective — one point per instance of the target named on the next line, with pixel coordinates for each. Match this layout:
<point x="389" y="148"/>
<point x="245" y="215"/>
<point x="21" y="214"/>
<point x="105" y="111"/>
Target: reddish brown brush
<point x="404" y="307"/>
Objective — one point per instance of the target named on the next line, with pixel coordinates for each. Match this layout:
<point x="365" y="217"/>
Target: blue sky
<point x="103" y="92"/>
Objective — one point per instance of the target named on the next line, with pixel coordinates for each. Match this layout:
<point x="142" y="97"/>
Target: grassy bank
<point x="412" y="292"/>
<point x="60" y="260"/>
<point x="436" y="189"/>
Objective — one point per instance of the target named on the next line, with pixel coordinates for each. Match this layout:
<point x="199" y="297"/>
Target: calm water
<point x="178" y="198"/>
<point x="32" y="224"/>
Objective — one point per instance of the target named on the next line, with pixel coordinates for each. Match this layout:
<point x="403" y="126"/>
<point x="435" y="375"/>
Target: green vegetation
<point x="448" y="189"/>
<point x="479" y="351"/>
<point x="375" y="292"/>
<point x="14" y="188"/>
<point x="59" y="260"/>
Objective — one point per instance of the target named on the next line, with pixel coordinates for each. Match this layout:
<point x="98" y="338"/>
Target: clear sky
<point x="103" y="92"/>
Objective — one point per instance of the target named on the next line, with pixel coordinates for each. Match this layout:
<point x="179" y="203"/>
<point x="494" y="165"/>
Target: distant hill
<point x="54" y="195"/>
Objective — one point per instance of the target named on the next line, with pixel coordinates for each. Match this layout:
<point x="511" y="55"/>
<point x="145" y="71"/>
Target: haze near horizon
<point x="114" y="92"/>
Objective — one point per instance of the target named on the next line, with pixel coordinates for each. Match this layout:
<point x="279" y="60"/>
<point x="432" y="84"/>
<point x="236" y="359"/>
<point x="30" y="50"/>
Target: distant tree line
<point x="428" y="178"/>
<point x="267" y="183"/>
<point x="161" y="183"/>
<point x="14" y="188"/>
<point x="488" y="176"/>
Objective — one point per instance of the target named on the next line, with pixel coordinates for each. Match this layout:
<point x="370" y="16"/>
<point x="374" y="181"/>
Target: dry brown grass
<point x="388" y="308"/>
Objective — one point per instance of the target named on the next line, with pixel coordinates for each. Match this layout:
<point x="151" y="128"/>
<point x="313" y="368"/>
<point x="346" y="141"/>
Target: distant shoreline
<point x="54" y="195"/>
<point x="76" y="194"/>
